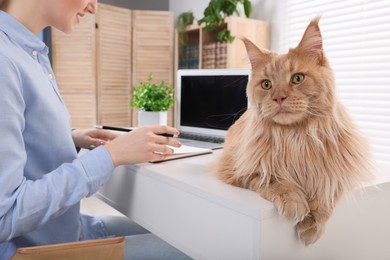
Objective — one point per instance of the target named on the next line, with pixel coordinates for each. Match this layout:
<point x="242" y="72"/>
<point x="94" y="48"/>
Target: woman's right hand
<point x="142" y="145"/>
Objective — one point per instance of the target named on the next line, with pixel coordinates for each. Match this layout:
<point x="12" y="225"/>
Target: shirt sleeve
<point x="26" y="205"/>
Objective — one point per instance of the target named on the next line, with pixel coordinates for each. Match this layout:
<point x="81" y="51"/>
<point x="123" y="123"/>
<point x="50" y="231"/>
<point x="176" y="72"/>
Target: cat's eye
<point x="297" y="78"/>
<point x="266" y="84"/>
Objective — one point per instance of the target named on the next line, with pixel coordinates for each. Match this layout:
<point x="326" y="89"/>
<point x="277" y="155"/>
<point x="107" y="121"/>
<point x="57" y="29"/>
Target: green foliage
<point x="185" y="19"/>
<point x="154" y="97"/>
<point x="217" y="10"/>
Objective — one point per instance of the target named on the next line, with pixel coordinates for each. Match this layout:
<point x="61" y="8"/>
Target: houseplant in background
<point x="184" y="19"/>
<point x="217" y="10"/>
<point x="153" y="101"/>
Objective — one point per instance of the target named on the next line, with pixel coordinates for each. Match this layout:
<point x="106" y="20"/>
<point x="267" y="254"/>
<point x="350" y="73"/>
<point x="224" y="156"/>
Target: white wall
<point x="267" y="10"/>
<point x="181" y="6"/>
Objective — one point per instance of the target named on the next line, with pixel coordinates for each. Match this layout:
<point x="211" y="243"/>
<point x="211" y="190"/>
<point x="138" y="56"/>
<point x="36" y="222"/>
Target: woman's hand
<point x="142" y="145"/>
<point x="91" y="138"/>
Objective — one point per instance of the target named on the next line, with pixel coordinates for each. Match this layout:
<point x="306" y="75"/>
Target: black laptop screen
<point x="212" y="101"/>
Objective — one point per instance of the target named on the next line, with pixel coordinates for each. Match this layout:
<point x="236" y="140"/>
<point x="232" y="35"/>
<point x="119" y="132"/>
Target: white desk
<point x="184" y="203"/>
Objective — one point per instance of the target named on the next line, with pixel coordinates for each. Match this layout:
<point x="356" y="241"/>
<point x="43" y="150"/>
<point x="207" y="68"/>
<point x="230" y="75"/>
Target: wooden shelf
<point x="199" y="49"/>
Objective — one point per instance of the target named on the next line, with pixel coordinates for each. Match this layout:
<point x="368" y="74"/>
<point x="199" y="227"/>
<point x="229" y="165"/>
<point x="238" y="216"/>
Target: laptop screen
<point x="210" y="101"/>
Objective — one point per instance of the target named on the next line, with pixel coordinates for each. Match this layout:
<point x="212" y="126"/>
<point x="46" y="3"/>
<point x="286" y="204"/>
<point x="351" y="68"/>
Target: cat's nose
<point x="279" y="99"/>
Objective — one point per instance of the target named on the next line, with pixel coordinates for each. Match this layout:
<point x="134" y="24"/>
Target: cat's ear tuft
<point x="311" y="42"/>
<point x="256" y="55"/>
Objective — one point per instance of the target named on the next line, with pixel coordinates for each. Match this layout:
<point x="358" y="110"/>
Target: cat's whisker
<point x="316" y="113"/>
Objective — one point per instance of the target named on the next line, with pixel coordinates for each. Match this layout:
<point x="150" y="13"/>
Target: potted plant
<point x="183" y="21"/>
<point x="153" y="101"/>
<point x="217" y="10"/>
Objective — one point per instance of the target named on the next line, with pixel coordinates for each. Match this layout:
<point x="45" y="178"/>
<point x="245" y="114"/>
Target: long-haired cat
<point x="295" y="145"/>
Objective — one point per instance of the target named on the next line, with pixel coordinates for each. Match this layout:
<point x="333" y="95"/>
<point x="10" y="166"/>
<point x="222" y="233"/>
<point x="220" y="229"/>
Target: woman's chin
<point x="67" y="29"/>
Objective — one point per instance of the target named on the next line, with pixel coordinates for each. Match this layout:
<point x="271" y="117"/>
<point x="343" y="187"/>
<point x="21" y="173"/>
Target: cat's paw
<point x="309" y="230"/>
<point x="292" y="205"/>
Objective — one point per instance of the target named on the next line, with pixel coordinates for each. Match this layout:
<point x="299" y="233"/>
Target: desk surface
<point x="196" y="175"/>
<point x="182" y="200"/>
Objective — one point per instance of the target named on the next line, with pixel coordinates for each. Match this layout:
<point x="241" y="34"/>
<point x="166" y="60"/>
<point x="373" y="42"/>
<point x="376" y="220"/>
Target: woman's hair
<point x="3" y="3"/>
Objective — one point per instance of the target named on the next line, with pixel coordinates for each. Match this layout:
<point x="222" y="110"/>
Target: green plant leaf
<point x="217" y="10"/>
<point x="224" y="35"/>
<point x="230" y="7"/>
<point x="185" y="19"/>
<point x="150" y="96"/>
<point x="247" y="8"/>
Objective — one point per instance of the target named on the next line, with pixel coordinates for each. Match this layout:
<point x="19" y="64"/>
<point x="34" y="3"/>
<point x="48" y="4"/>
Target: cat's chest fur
<point x="307" y="155"/>
<point x="295" y="155"/>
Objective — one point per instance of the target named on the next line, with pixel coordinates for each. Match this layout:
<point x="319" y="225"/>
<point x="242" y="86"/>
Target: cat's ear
<point x="311" y="42"/>
<point x="256" y="55"/>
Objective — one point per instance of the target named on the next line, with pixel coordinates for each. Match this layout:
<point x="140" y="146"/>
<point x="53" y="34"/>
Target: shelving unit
<point x="200" y="49"/>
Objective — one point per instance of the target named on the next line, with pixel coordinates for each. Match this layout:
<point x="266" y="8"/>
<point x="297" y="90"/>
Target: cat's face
<point x="291" y="88"/>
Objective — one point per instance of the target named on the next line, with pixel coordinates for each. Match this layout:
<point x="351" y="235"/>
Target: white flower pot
<point x="152" y="118"/>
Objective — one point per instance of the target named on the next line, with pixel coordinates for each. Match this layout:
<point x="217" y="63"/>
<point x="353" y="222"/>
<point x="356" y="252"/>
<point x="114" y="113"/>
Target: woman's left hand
<point x="91" y="138"/>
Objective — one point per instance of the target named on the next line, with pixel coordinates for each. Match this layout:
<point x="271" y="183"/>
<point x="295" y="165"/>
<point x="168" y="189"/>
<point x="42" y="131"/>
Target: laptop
<point x="208" y="102"/>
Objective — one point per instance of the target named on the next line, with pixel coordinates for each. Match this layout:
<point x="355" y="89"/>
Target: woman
<point x="42" y="180"/>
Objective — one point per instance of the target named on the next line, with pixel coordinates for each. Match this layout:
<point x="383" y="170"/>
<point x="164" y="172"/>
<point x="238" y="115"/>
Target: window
<point x="356" y="35"/>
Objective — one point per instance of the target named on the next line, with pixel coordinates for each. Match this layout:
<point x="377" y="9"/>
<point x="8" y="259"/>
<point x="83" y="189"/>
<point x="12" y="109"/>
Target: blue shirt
<point x="41" y="178"/>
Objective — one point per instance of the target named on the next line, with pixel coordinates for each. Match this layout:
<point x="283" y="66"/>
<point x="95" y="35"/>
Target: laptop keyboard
<point x="203" y="138"/>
